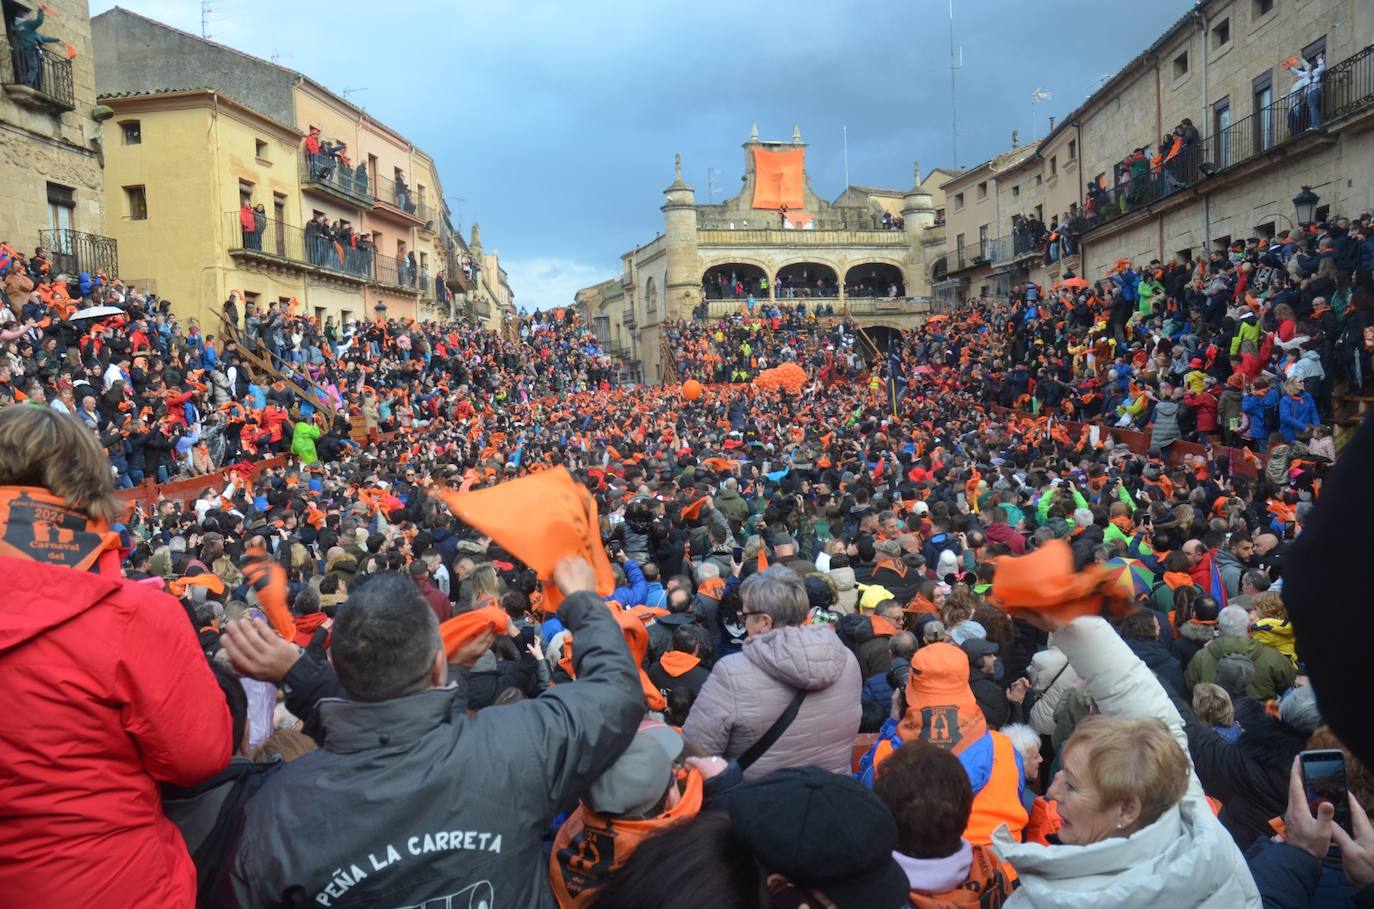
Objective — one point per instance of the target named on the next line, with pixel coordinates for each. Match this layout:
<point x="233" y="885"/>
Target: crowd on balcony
<point x="889" y="635"/>
<point x="328" y="162"/>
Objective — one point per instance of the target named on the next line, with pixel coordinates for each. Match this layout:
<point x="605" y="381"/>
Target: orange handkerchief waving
<point x="468" y="626"/>
<point x="1045" y="581"/>
<point x="539" y="519"/>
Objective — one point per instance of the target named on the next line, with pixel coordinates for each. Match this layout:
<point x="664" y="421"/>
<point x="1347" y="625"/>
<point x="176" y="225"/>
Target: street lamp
<point x="1305" y="203"/>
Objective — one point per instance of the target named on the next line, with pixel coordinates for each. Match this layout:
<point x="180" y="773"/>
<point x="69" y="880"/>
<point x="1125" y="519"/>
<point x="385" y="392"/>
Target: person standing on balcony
<point x="251" y="239"/>
<point x="360" y="179"/>
<point x="259" y="223"/>
<point x="412" y="268"/>
<point x="1310" y="85"/>
<point x="28" y="48"/>
<point x="312" y="151"/>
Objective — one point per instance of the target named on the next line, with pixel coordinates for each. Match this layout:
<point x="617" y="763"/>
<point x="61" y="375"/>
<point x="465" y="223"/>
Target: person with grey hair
<point x="1274" y="672"/>
<point x="790" y="697"/>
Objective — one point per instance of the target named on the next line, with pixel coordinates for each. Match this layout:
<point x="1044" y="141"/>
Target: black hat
<point x="823" y="831"/>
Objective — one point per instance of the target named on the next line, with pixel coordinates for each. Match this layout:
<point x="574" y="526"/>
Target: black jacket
<point x="446" y="808"/>
<point x="1162" y="662"/>
<point x="992" y="699"/>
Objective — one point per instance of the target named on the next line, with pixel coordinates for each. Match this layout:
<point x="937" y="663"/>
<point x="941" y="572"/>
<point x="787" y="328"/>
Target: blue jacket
<point x="976" y="758"/>
<point x="636" y="591"/>
<point x="1289" y="878"/>
<point x="1128" y="281"/>
<point x="1254" y="407"/>
<point x="1297" y="415"/>
<point x="655" y="595"/>
<point x="877" y="689"/>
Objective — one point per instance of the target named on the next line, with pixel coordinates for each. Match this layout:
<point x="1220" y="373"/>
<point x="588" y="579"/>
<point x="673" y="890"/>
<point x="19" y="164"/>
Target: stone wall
<point x="134" y="54"/>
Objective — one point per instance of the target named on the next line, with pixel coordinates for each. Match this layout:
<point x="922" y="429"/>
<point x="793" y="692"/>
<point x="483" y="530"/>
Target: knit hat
<point x="1234" y="673"/>
<point x="823" y="831"/>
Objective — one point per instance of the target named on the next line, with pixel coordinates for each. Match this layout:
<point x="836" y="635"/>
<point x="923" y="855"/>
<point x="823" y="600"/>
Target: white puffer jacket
<point x="1052" y="677"/>
<point x="747" y="691"/>
<point x="1184" y="860"/>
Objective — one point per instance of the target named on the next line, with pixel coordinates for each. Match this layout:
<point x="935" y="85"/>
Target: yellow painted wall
<point x="176" y="248"/>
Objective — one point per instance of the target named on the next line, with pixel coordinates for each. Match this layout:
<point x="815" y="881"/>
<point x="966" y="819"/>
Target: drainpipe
<point x="1206" y="112"/>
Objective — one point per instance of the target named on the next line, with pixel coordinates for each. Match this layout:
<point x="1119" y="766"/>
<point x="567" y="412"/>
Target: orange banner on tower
<point x="778" y="178"/>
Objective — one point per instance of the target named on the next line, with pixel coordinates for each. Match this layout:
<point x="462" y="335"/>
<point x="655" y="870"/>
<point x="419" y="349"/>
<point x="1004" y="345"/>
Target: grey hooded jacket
<point x="748" y="691"/>
<point x="411" y="803"/>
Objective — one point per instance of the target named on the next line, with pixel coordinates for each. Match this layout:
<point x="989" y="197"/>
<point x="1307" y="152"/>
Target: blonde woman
<point x="1136" y="830"/>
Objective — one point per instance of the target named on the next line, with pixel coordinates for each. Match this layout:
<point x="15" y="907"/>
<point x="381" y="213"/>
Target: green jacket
<point x="303" y="442"/>
<point x="24" y="33"/>
<point x="1274" y="672"/>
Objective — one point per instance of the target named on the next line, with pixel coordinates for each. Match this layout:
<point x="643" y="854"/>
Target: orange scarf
<point x="41" y="527"/>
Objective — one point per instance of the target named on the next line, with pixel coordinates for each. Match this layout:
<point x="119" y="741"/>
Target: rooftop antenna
<point x="352" y="91"/>
<point x="460" y="200"/>
<point x="711" y="174"/>
<point x="206" y="18"/>
<point x="953" y="98"/>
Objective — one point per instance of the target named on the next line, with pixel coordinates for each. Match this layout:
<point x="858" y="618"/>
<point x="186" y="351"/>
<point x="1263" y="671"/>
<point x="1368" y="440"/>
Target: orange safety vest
<point x="589" y="847"/>
<point x="999" y="801"/>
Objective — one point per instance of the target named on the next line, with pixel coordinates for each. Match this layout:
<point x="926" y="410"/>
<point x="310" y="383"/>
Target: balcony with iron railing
<point x="398" y="198"/>
<point x="285" y="245"/>
<point x="1346" y="89"/>
<point x="998" y="251"/>
<point x="41" y="80"/>
<point x="395" y="276"/>
<point x="327" y="174"/>
<point x="71" y="252"/>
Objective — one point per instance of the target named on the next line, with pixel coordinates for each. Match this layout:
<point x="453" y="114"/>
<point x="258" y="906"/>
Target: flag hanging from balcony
<point x="778" y="178"/>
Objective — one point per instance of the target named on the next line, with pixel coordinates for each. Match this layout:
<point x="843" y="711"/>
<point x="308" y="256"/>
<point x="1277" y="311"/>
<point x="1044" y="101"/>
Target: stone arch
<point x="650" y="296"/>
<point x="801" y="275"/>
<point x="874" y="278"/>
<point x="715" y="278"/>
<point x="939" y="271"/>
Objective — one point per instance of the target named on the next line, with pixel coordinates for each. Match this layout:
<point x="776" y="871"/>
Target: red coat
<point x="1205" y="406"/>
<point x="106" y="694"/>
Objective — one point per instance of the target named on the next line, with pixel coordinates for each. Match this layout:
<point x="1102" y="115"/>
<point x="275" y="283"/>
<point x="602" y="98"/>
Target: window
<point x="1221" y="132"/>
<point x="1261" y="8"/>
<point x="132" y="131"/>
<point x="958" y="201"/>
<point x="939" y="216"/>
<point x="251" y="298"/>
<point x="61" y="206"/>
<point x="399" y="177"/>
<point x="137" y="199"/>
<point x="1262" y="89"/>
<point x="1265" y="230"/>
<point x="983" y="241"/>
<point x="1040" y="213"/>
<point x="1039" y="179"/>
<point x="1316" y="49"/>
<point x="959" y="248"/>
<point x="261" y="149"/>
<point x="1054" y="165"/>
<point x="983" y="190"/>
<point x="1221" y="33"/>
<point x="1323" y="213"/>
<point x="245" y="192"/>
<point x="1181" y="65"/>
<point x="319" y="315"/>
<point x="1016" y="192"/>
<point x="1073" y="149"/>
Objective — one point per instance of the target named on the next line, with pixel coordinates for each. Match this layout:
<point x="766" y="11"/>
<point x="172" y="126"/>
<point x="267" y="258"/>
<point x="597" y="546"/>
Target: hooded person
<point x="1274" y="672"/>
<point x="939" y="708"/>
<point x="107" y="691"/>
<point x="638" y="796"/>
<point x="847" y="596"/>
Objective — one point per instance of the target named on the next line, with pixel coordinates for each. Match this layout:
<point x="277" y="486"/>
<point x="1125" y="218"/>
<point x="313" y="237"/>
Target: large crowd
<point x="499" y="629"/>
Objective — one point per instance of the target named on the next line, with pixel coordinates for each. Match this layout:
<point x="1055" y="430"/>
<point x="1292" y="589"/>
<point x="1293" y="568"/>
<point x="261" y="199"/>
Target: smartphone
<point x="737" y="554"/>
<point x="1323" y="779"/>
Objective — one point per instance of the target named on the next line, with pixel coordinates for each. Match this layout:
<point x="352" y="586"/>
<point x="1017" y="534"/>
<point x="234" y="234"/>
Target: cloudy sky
<point x="555" y="122"/>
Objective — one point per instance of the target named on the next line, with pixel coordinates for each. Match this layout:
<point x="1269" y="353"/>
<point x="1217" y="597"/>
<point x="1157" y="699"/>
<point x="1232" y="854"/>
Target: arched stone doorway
<point x="874" y="279"/>
<point x="882" y="336"/>
<point x="734" y="280"/>
<point x="806" y="281"/>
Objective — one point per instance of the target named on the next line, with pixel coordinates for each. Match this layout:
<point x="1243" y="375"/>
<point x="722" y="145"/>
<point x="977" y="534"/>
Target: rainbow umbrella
<point x="1134" y="578"/>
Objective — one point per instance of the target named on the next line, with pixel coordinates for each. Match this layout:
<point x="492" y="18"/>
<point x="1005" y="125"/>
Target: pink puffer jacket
<point x="747" y="691"/>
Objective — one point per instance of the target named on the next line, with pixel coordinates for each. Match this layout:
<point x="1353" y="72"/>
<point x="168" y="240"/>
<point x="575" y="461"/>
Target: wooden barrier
<point x="187" y="488"/>
<point x="1139" y="443"/>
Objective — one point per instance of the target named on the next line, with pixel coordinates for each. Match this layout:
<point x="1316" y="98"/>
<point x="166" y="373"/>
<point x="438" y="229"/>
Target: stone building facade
<point x="171" y="91"/>
<point x="51" y="139"/>
<point x="870" y="253"/>
<point x="1222" y="67"/>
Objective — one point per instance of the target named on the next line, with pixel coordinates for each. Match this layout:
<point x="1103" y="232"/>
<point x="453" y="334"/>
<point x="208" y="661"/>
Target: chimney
<point x="1015" y="138"/>
<point x="1051" y="124"/>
